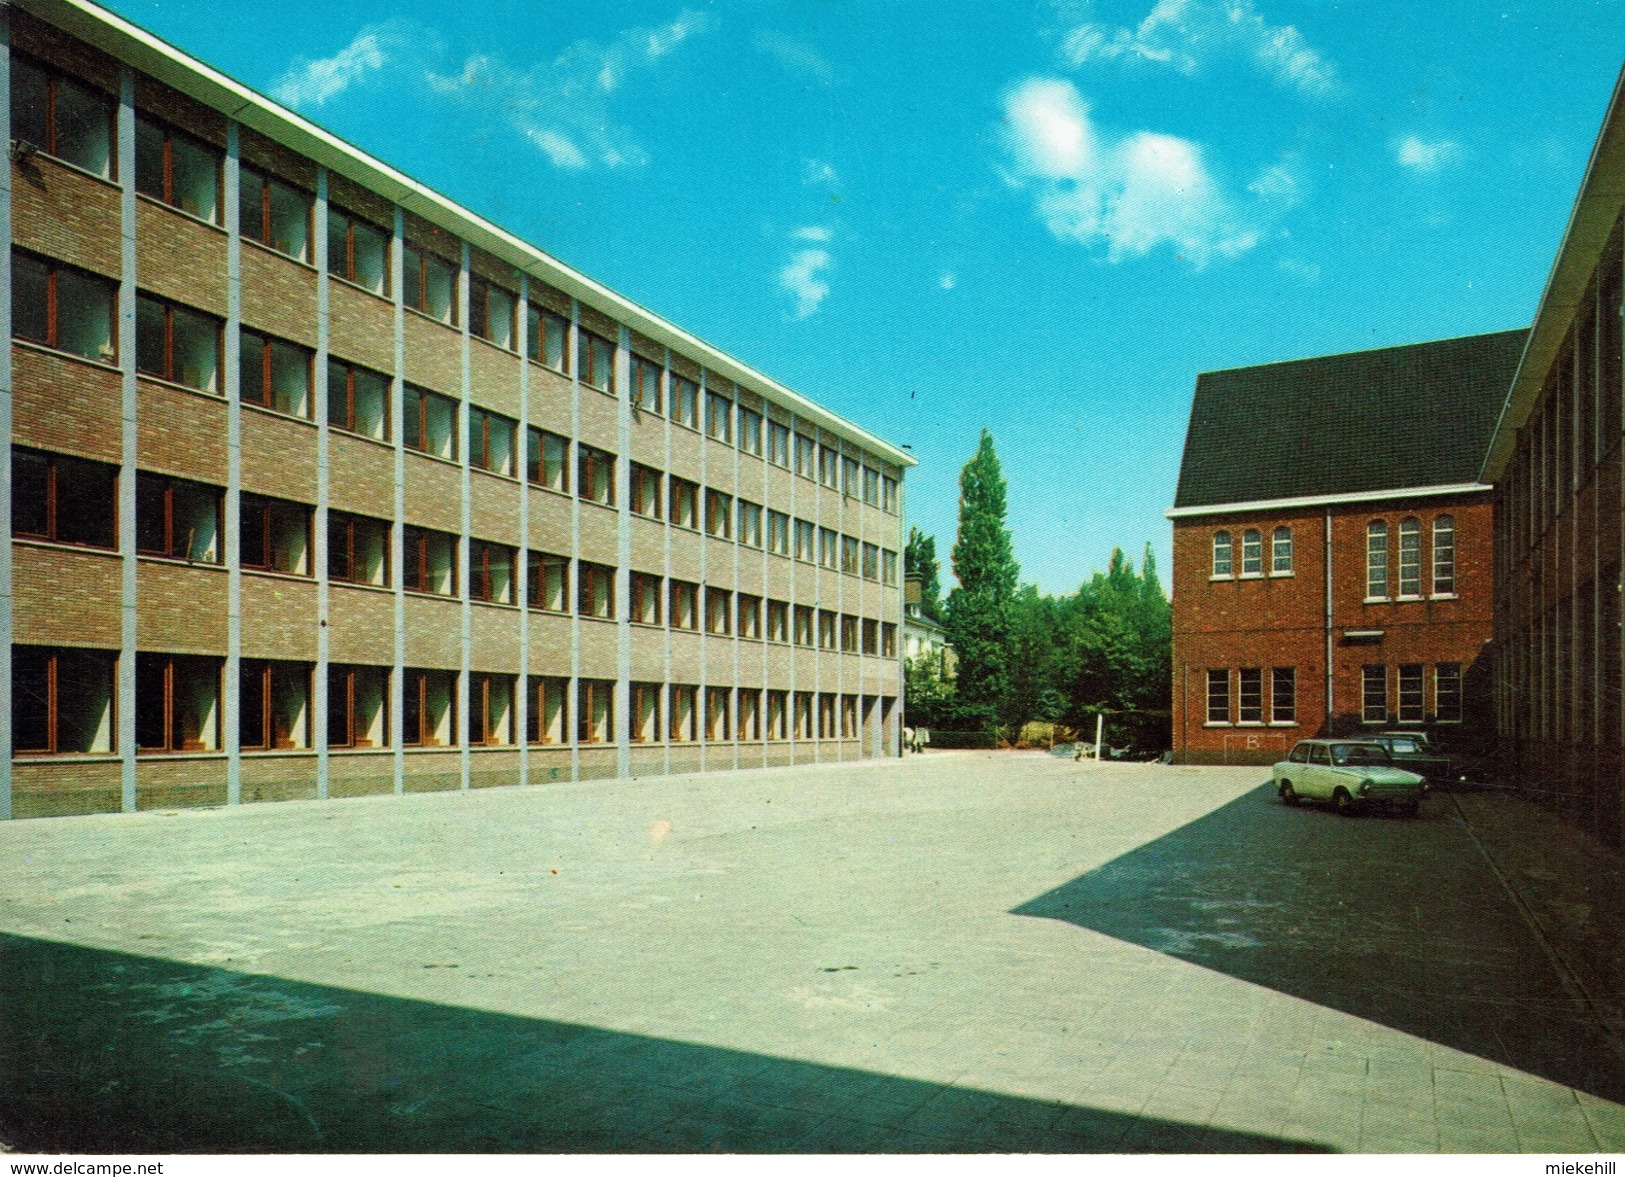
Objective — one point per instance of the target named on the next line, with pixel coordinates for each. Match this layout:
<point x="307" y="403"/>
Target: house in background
<point x="1332" y="548"/>
<point x="924" y="636"/>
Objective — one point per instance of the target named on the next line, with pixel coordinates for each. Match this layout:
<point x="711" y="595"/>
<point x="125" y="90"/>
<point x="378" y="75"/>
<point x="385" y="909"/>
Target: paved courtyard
<point x="960" y="952"/>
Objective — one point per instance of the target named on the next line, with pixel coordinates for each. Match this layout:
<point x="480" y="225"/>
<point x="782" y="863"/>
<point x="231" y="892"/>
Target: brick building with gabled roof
<point x="1332" y="547"/>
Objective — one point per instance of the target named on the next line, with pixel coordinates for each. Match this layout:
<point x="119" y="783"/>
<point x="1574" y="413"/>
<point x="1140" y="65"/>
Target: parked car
<point x="1351" y="774"/>
<point x="1415" y="752"/>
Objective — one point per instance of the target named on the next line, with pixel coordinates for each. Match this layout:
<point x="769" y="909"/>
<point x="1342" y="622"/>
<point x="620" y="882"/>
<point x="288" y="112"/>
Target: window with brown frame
<point x="547" y="720"/>
<point x="179" y="519"/>
<point x="778" y="532"/>
<point x="177" y="344"/>
<point x="871" y="562"/>
<point x="718" y="714"/>
<point x="850" y="481"/>
<point x="685" y="604"/>
<point x="273" y="705"/>
<point x="829" y="466"/>
<point x="750" y="616"/>
<point x="803" y="716"/>
<point x="806" y="541"/>
<point x="888" y="639"/>
<point x="718" y="611"/>
<point x="548" y="584"/>
<point x="719" y="514"/>
<point x="430" y="562"/>
<point x="645" y="590"/>
<point x="597" y="361"/>
<point x="595" y="711"/>
<point x="645" y="713"/>
<point x="685" y="500"/>
<point x="490" y="313"/>
<point x="803" y="617"/>
<point x="595" y="595"/>
<point x="888" y="566"/>
<point x="62" y="117"/>
<point x="177" y="169"/>
<point x="357" y="251"/>
<point x="430" y="284"/>
<point x="358" y="400"/>
<point x="826" y="630"/>
<point x="177" y="703"/>
<point x="547" y="339"/>
<point x="431" y="423"/>
<point x="274" y="374"/>
<point x="778" y="444"/>
<point x="491" y="441"/>
<point x="806" y="456"/>
<point x="595" y="475"/>
<point x="63" y="701"/>
<point x="59" y="306"/>
<point x="778" y="715"/>
<point x="490" y="572"/>
<point x="750" y="524"/>
<point x="888" y="494"/>
<point x="273" y="213"/>
<point x="750" y="431"/>
<point x="849" y="634"/>
<point x="490" y="710"/>
<point x="429" y="708"/>
<point x="778" y="621"/>
<point x="829" y="548"/>
<point x="871" y="486"/>
<point x="547" y="459"/>
<point x="685" y="402"/>
<point x="645" y="491"/>
<point x="871" y="636"/>
<point x="63" y="500"/>
<point x="684" y="720"/>
<point x="357" y="706"/>
<point x="849" y="555"/>
<point x="275" y="535"/>
<point x="826" y="716"/>
<point x="749" y="703"/>
<point x="719" y="417"/>
<point x="645" y="385"/>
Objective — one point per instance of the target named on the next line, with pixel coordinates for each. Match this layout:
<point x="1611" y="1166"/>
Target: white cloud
<point x="795" y="56"/>
<point x="948" y="280"/>
<point x="815" y="172"/>
<point x="1129" y="193"/>
<point x="311" y="83"/>
<point x="801" y="278"/>
<point x="1183" y="34"/>
<point x="812" y="233"/>
<point x="1422" y="156"/>
<point x="1306" y="272"/>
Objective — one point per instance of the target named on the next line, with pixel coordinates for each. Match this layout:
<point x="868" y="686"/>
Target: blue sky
<point x="1044" y="218"/>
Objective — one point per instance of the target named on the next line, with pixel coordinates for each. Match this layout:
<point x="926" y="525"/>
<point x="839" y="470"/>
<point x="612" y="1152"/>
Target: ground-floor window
<point x="683" y="717"/>
<point x="1283" y="695"/>
<point x="645" y="713"/>
<point x="357" y="706"/>
<point x="62" y="700"/>
<point x="1374" y="694"/>
<point x="750" y="714"/>
<point x="1250" y="695"/>
<point x="826" y="717"/>
<point x="545" y="723"/>
<point x="778" y="715"/>
<point x="177" y="703"/>
<point x="490" y="709"/>
<point x="1218" y="696"/>
<point x="1447" y="692"/>
<point x="595" y="710"/>
<point x="429" y="710"/>
<point x="849" y="717"/>
<point x="717" y="714"/>
<point x="273" y="705"/>
<point x="803" y="715"/>
<point x="1411" y="705"/>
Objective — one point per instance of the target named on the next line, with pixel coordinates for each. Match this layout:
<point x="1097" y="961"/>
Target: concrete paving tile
<point x="1161" y="1136"/>
<point x="1395" y="1144"/>
<point x="1457" y="1139"/>
<point x="1607" y="1120"/>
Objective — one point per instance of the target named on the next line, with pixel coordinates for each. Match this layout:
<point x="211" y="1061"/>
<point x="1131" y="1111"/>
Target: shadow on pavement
<point x="1394" y="920"/>
<point x="106" y="1052"/>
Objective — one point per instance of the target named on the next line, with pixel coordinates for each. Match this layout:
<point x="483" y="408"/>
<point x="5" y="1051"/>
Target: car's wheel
<point x="1345" y="802"/>
<point x="1289" y="795"/>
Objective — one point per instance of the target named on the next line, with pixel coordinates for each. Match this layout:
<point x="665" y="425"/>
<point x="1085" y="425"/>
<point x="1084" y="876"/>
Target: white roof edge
<point x="147" y="52"/>
<point x="1368" y="496"/>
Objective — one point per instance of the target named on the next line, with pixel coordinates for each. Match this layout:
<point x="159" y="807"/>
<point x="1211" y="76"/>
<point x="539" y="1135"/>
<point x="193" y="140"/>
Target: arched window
<point x="1410" y="557"/>
<point x="1281" y="551"/>
<point x="1252" y="552"/>
<point x="1222" y="565"/>
<point x="1376" y="560"/>
<point x="1444" y="556"/>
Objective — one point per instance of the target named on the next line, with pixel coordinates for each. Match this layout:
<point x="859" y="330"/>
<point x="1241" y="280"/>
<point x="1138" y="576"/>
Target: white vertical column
<point x="465" y="490"/>
<point x="668" y="393"/>
<point x="622" y="706"/>
<point x="234" y="478"/>
<point x="573" y="701"/>
<point x="521" y="572"/>
<point x="320" y="736"/>
<point x="127" y="440"/>
<point x="6" y="592"/>
<point x="397" y="532"/>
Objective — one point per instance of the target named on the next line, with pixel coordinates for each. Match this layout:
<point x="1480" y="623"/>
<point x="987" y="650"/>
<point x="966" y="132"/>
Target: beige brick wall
<point x="63" y="213"/>
<point x="279" y="617"/>
<point x="180" y="258"/>
<point x="434" y="493"/>
<point x="494" y="644"/>
<point x="361" y="327"/>
<point x="180" y="783"/>
<point x="279" y="294"/>
<point x="494" y="377"/>
<point x="66" y="597"/>
<point x="279" y="456"/>
<point x="361" y="476"/>
<point x="432" y="632"/>
<point x="362" y="625"/>
<point x="180" y="609"/>
<point x="181" y="432"/>
<point x="278" y="778"/>
<point x="64" y="404"/>
<point x="65" y="787"/>
<point x="433" y="354"/>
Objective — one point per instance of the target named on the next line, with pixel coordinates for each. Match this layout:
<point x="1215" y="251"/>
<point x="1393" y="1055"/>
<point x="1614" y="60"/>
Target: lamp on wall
<point x="22" y="150"/>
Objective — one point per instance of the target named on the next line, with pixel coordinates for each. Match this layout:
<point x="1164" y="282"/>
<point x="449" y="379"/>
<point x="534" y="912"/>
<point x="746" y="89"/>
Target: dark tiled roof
<point x="1397" y="417"/>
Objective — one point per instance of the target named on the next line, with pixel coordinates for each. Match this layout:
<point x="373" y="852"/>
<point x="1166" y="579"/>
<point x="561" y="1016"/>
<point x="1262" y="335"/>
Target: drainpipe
<point x="1330" y="708"/>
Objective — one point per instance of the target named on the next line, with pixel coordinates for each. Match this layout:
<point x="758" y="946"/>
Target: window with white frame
<point x="1410" y="557"/>
<point x="1283" y="695"/>
<point x="1250" y="695"/>
<point x="1376" y="560"/>
<point x="1374" y="694"/>
<point x="1447" y="692"/>
<point x="1281" y="552"/>
<point x="1252" y="552"/>
<point x="1222" y="554"/>
<point x="1218" y="696"/>
<point x="1444" y="556"/>
<point x="1410" y="692"/>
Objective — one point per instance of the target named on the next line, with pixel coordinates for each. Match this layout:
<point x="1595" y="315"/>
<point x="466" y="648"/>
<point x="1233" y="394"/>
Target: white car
<point x="1351" y="774"/>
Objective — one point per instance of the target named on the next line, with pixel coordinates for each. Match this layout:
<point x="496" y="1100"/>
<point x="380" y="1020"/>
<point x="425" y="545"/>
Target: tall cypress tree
<point x="978" y="613"/>
<point x="920" y="556"/>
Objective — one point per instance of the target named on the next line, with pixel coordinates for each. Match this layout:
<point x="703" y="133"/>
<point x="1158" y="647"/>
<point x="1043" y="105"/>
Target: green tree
<point x="978" y="614"/>
<point x="920" y="557"/>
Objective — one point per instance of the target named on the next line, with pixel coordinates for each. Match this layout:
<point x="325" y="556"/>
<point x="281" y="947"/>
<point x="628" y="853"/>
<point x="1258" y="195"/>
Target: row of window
<point x="1388" y="694"/>
<point x="73" y="500"/>
<point x="1380" y="585"/>
<point x="76" y="123"/>
<point x="63" y="702"/>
